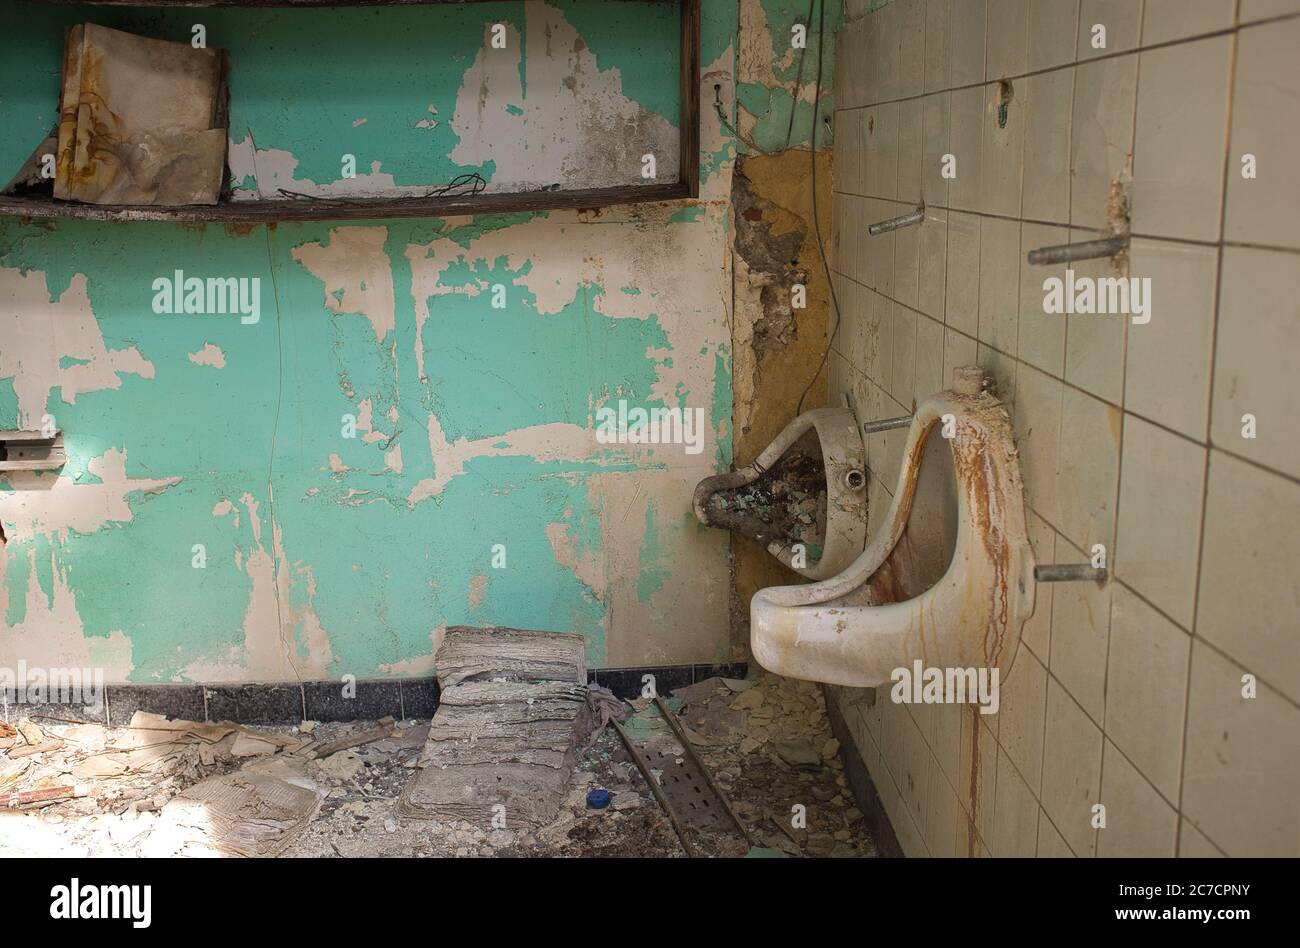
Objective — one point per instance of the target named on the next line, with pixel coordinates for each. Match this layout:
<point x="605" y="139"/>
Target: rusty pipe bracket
<point x="895" y="223"/>
<point x="1088" y="250"/>
<point x="1070" y="573"/>
<point x="887" y="424"/>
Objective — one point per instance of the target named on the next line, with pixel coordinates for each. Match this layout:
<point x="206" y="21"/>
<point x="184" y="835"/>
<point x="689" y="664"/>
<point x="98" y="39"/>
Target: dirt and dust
<point x="766" y="740"/>
<point x="786" y="504"/>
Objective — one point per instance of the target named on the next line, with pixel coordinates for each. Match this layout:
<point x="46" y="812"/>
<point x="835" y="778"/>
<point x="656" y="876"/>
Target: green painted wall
<point x="328" y="555"/>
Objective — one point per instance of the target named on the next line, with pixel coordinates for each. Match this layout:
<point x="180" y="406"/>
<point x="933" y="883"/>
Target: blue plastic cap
<point x="598" y="799"/>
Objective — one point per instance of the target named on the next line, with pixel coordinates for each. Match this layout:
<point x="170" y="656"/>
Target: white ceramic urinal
<point x="949" y="577"/>
<point x="803" y="498"/>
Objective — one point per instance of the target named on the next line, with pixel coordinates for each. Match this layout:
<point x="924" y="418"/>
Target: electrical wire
<point x="817" y="228"/>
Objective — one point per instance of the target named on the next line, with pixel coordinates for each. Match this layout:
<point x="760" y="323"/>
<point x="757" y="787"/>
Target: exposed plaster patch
<point x="393" y="459"/>
<point x="686" y="282"/>
<point x="283" y="641"/>
<point x="209" y="355"/>
<point x="357" y="274"/>
<point x="421" y="664"/>
<point x="274" y="169"/>
<point x="51" y="633"/>
<point x="40" y="505"/>
<point x="552" y="442"/>
<point x="56" y="344"/>
<point x="577" y="128"/>
<point x="477" y="590"/>
<point x="336" y="464"/>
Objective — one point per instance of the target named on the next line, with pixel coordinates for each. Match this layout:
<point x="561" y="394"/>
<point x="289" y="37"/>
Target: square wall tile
<point x="958" y="350"/>
<point x="1167" y="371"/>
<point x="903" y="369"/>
<point x="1053" y="31"/>
<point x="1003" y="149"/>
<point x="1037" y="420"/>
<point x="966" y="148"/>
<point x="1250" y="571"/>
<point x="910" y="143"/>
<point x="933" y="264"/>
<point x="1193" y="844"/>
<point x="966" y="41"/>
<point x="1046" y="101"/>
<point x="1007" y="37"/>
<point x="886" y="46"/>
<point x="1157" y="543"/>
<point x="1101" y="140"/>
<point x="1261" y="210"/>
<point x="1051" y="845"/>
<point x="910" y="24"/>
<point x="907" y="265"/>
<point x="1015" y="814"/>
<point x="937" y="61"/>
<point x="881" y="143"/>
<point x="975" y="791"/>
<point x="1252" y="10"/>
<point x="879" y="250"/>
<point x="963" y="290"/>
<point x="929" y="359"/>
<point x="1036" y="634"/>
<point x="1094" y="342"/>
<point x="1071" y="770"/>
<point x="1122" y="20"/>
<point x="1242" y="776"/>
<point x="1042" y="334"/>
<point x="1181" y="141"/>
<point x="999" y="283"/>
<point x="1146" y="689"/>
<point x="1022" y="706"/>
<point x="941" y="814"/>
<point x="1000" y="370"/>
<point x="945" y="739"/>
<point x="1255" y="360"/>
<point x="936" y="135"/>
<point x="1166" y="20"/>
<point x="1138" y="821"/>
<point x="1089" y="469"/>
<point x="1081" y="637"/>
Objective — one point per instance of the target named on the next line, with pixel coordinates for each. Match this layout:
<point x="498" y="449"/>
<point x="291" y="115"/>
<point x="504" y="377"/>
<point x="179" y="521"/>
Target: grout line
<point x="1253" y="462"/>
<point x="1136" y="50"/>
<point x="1119" y="450"/>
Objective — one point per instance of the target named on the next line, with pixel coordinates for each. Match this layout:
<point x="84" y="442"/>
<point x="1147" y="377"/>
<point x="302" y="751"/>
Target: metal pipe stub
<point x="1088" y="250"/>
<point x="894" y="223"/>
<point x="887" y="424"/>
<point x="1069" y="573"/>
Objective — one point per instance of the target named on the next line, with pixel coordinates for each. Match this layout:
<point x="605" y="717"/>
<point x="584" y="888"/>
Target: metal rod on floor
<point x="644" y="767"/>
<point x="708" y="774"/>
<point x="887" y="424"/>
<point x="894" y="223"/>
<point x="1069" y="573"/>
<point x="1088" y="250"/>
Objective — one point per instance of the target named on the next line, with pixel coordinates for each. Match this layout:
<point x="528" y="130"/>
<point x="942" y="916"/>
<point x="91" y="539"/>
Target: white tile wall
<point x="1128" y="696"/>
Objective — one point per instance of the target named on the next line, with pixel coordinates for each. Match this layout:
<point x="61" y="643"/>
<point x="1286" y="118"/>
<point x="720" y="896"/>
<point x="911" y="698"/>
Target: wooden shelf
<point x="262" y="211"/>
<point x="330" y="209"/>
<point x="285" y="3"/>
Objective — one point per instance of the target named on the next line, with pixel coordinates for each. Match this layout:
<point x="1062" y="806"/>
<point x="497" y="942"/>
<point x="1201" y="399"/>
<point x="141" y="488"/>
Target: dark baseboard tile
<point x="627" y="682"/>
<point x="864" y="790"/>
<point x="291" y="703"/>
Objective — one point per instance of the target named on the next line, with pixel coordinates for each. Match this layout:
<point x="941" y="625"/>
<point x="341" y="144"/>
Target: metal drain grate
<point x="687" y="791"/>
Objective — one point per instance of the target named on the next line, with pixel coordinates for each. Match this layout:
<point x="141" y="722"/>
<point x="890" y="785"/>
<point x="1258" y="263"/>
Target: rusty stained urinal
<point x="947" y="580"/>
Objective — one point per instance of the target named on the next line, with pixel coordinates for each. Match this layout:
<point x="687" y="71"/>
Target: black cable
<point x="817" y="228"/>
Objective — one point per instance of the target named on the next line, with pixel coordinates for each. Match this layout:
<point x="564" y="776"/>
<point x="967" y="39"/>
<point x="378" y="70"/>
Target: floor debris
<point x="129" y="811"/>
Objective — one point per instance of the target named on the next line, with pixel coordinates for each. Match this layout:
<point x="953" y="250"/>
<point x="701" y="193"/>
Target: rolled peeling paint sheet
<point x="137" y="121"/>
